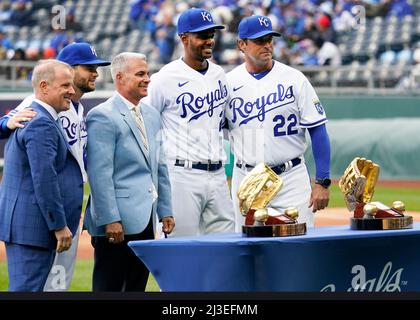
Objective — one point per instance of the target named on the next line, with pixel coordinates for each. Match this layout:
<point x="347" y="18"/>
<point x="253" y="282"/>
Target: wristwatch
<point x="326" y="182"/>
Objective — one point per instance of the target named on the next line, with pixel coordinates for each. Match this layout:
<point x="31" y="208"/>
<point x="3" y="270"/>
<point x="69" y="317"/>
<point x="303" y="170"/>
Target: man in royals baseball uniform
<point x="191" y="95"/>
<point x="84" y="60"/>
<point x="271" y="108"/>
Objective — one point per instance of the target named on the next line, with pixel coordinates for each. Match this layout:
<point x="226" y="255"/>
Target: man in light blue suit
<point x="42" y="188"/>
<point x="128" y="180"/>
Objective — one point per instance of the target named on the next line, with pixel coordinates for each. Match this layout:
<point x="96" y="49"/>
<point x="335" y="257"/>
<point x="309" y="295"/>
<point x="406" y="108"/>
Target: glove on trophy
<point x="255" y="192"/>
<point x="358" y="185"/>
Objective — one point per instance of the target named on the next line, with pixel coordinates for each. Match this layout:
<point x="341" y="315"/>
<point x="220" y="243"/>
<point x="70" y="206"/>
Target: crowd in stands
<point x="311" y="29"/>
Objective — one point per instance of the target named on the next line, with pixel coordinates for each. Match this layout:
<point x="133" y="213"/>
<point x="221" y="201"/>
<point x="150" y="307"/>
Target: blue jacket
<point x="42" y="187"/>
<point x="121" y="176"/>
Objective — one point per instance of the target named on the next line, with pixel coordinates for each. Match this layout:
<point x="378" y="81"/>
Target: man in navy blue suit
<point x="42" y="189"/>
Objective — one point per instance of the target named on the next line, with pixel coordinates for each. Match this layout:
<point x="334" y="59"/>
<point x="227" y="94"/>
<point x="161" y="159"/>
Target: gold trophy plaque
<point x="358" y="185"/>
<point x="254" y="193"/>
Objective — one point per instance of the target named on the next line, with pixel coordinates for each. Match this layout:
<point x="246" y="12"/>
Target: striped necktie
<point x="140" y="125"/>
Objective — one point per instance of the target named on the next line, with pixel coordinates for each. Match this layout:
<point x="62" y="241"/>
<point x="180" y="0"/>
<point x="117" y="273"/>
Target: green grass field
<point x="83" y="272"/>
<point x="386" y="195"/>
<point x="82" y="279"/>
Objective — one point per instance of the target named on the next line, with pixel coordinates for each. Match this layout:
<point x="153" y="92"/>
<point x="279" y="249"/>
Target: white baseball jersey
<point x="74" y="127"/>
<point x="192" y="107"/>
<point x="268" y="117"/>
<point x="267" y="121"/>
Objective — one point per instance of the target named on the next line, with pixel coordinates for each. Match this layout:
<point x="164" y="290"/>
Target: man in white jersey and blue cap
<point x="191" y="94"/>
<point x="270" y="109"/>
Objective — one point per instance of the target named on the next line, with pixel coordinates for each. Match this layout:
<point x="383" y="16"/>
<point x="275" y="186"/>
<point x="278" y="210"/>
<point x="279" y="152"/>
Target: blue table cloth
<point x="325" y="259"/>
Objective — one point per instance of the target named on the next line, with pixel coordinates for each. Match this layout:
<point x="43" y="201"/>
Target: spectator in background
<point x="71" y="23"/>
<point x="165" y="35"/>
<point x="400" y="8"/>
<point x="21" y="14"/>
<point x="21" y="71"/>
<point x="325" y="30"/>
<point x="327" y="52"/>
<point x="4" y="40"/>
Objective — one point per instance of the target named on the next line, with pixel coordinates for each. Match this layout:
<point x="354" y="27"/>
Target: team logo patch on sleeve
<point x="318" y="106"/>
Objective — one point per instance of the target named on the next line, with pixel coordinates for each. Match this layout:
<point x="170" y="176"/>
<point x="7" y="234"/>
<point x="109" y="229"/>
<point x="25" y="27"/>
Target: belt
<point x="209" y="166"/>
<point x="279" y="169"/>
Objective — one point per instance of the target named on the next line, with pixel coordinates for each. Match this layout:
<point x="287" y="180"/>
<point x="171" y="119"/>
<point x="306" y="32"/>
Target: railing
<point x="347" y="79"/>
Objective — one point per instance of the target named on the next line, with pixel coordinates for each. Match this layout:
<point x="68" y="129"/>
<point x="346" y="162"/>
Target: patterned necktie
<point x="140" y="125"/>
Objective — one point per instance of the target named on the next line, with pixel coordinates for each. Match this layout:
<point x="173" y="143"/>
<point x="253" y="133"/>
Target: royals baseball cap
<point x="196" y="20"/>
<point x="80" y="53"/>
<point x="254" y="27"/>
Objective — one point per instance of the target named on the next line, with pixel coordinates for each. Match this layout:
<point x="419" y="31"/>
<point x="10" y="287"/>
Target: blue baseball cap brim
<point x="264" y="33"/>
<point x="214" y="26"/>
<point x="98" y="62"/>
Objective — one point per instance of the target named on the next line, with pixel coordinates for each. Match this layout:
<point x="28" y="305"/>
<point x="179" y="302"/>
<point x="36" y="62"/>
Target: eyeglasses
<point x="263" y="40"/>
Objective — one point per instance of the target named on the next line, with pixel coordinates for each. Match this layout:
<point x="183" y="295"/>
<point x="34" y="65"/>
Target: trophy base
<point x="405" y="222"/>
<point x="275" y="230"/>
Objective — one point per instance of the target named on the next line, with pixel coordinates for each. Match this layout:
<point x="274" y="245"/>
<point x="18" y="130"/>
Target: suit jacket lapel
<point x="42" y="110"/>
<point x="128" y="118"/>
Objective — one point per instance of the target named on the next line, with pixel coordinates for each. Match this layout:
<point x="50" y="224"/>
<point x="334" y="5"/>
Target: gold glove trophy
<point x="254" y="193"/>
<point x="358" y="185"/>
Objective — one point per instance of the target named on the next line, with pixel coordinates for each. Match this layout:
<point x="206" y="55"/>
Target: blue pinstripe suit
<point x="41" y="191"/>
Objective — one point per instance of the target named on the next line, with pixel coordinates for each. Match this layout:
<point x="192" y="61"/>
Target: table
<point x="325" y="259"/>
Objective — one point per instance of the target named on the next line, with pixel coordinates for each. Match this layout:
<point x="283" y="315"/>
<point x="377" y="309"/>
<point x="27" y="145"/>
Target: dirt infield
<point x="327" y="217"/>
<point x="411" y="184"/>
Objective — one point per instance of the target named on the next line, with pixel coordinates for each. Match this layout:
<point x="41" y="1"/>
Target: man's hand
<point x="320" y="197"/>
<point x="168" y="224"/>
<point x="19" y="117"/>
<point x="114" y="232"/>
<point x="64" y="238"/>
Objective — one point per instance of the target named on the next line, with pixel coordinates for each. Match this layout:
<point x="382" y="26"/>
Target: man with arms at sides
<point x="191" y="94"/>
<point x="42" y="187"/>
<point x="271" y="108"/>
<point x="84" y="60"/>
<point x="128" y="180"/>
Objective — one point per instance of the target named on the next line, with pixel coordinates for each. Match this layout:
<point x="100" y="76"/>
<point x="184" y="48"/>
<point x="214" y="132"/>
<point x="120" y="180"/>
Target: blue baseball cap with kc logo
<point x="254" y="27"/>
<point x="80" y="53"/>
<point x="196" y="20"/>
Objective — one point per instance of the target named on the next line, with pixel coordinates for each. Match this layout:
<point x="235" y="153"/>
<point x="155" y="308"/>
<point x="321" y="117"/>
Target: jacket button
<point x="150" y="190"/>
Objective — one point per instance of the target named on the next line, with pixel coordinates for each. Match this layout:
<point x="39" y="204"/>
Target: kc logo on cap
<point x="264" y="22"/>
<point x="196" y="20"/>
<point x="254" y="27"/>
<point x="206" y="16"/>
